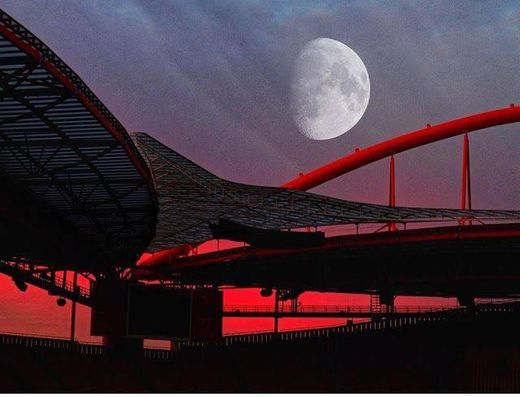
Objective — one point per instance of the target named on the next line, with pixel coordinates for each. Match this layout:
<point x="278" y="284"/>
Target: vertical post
<point x="375" y="303"/>
<point x="468" y="173"/>
<point x="276" y="307"/>
<point x="391" y="198"/>
<point x="465" y="191"/>
<point x="391" y="190"/>
<point x="294" y="305"/>
<point x="73" y="310"/>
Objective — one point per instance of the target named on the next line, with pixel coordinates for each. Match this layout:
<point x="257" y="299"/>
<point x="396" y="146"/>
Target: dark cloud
<point x="211" y="78"/>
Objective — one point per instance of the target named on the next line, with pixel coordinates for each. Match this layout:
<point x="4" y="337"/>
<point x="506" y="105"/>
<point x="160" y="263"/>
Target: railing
<point x="319" y="332"/>
<point x="62" y="344"/>
<point x="496" y="301"/>
<point x="258" y="338"/>
<point x="54" y="284"/>
<point x="69" y="286"/>
<point x="415" y="309"/>
<point x="377" y="325"/>
<point x="312" y="333"/>
<point x="157" y="354"/>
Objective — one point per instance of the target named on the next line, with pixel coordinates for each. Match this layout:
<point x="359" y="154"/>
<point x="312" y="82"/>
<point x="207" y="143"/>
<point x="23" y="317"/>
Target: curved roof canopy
<point x="67" y="159"/>
<point x="191" y="198"/>
<point x="76" y="190"/>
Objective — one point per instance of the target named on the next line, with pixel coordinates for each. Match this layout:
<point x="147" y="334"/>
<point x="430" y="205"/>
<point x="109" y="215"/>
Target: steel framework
<point x="190" y="197"/>
<point x="70" y="157"/>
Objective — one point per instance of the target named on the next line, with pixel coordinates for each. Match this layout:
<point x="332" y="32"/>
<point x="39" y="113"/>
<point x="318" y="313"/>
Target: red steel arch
<point x="404" y="142"/>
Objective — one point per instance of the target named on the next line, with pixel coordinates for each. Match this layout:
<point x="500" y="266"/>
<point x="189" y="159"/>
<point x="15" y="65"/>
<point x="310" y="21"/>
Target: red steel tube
<point x="402" y="143"/>
<point x="390" y="147"/>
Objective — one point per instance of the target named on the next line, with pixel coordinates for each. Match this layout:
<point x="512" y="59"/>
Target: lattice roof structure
<point x="65" y="150"/>
<point x="80" y="190"/>
<point x="191" y="197"/>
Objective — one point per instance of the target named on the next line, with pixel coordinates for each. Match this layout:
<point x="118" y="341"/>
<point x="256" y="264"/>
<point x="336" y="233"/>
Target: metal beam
<point x="430" y="134"/>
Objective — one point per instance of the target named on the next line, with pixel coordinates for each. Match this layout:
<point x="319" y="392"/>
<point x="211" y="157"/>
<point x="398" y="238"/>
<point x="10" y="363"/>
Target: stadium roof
<point x="190" y="198"/>
<point x="62" y="146"/>
<point x="79" y="190"/>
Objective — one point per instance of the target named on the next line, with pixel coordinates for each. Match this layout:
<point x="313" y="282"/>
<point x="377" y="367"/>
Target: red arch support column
<point x="404" y="142"/>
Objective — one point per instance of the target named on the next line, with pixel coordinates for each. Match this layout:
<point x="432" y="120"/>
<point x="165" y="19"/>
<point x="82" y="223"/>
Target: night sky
<point x="212" y="80"/>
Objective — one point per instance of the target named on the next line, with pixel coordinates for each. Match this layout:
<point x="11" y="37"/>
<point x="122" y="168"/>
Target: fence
<point x="258" y="338"/>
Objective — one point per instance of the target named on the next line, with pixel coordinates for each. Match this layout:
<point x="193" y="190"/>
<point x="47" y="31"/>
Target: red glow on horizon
<point x="35" y="312"/>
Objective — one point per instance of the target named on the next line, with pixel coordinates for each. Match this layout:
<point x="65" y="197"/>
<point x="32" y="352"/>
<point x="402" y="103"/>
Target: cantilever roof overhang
<point x="86" y="194"/>
<point x="190" y="198"/>
<point x="63" y="147"/>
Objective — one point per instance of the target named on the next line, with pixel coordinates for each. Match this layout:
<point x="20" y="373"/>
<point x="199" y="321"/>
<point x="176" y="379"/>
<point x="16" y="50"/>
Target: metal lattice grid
<point x="58" y="141"/>
<point x="190" y="197"/>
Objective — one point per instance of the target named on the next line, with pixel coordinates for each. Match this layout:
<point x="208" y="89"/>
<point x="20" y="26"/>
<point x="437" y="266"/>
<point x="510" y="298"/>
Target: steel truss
<point x="61" y="144"/>
<point x="190" y="197"/>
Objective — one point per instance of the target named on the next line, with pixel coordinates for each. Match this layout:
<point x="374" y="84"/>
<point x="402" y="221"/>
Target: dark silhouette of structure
<point x="85" y="196"/>
<point x="462" y="352"/>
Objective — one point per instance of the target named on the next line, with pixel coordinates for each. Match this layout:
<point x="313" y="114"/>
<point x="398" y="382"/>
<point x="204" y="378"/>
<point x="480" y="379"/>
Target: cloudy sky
<point x="211" y="79"/>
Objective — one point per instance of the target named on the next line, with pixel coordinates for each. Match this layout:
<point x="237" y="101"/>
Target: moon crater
<point x="330" y="89"/>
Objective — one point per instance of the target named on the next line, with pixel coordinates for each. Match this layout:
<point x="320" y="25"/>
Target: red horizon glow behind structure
<point x="410" y="140"/>
<point x="384" y="149"/>
<point x="412" y="236"/>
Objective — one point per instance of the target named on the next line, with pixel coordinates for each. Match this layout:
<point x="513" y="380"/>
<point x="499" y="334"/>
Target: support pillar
<point x="276" y="310"/>
<point x="467" y="300"/>
<point x="391" y="191"/>
<point x="73" y="309"/>
<point x="294" y="305"/>
<point x="375" y="303"/>
<point x="110" y="304"/>
<point x="465" y="192"/>
<point x="387" y="299"/>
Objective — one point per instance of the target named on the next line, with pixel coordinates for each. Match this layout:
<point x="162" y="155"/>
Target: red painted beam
<point x="167" y="256"/>
<point x="446" y="233"/>
<point x="404" y="142"/>
<point x="400" y="144"/>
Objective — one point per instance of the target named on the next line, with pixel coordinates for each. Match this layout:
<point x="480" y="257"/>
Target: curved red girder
<point x="402" y="143"/>
<point x="406" y="238"/>
<point x="396" y="145"/>
<point x="165" y="256"/>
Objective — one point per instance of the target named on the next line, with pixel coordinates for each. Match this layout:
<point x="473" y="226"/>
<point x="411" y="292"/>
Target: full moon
<point x="330" y="89"/>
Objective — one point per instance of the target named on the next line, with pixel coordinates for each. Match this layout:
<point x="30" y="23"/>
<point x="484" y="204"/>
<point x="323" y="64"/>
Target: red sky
<point x="35" y="312"/>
